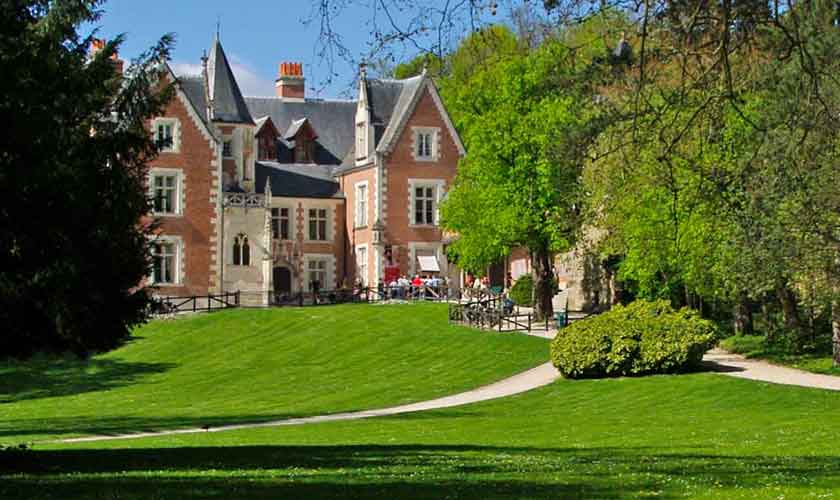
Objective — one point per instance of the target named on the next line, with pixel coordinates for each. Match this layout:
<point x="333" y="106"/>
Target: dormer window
<point x="303" y="149"/>
<point x="361" y="141"/>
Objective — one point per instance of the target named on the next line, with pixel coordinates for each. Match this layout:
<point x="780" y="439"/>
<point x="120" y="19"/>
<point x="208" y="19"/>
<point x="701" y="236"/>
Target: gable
<point x="426" y="116"/>
<point x="408" y="105"/>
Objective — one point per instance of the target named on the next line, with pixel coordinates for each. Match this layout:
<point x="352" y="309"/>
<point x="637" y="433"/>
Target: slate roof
<point x="297" y="180"/>
<point x="401" y="108"/>
<point x="333" y="121"/>
<point x="228" y="104"/>
<point x="193" y="87"/>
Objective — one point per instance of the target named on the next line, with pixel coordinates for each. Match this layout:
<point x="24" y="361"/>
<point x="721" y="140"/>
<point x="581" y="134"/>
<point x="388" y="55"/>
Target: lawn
<point x="755" y="346"/>
<point x="253" y="365"/>
<point x="689" y="436"/>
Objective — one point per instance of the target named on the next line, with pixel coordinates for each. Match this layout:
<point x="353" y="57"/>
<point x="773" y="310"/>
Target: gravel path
<point x="736" y="365"/>
<point x="543" y="374"/>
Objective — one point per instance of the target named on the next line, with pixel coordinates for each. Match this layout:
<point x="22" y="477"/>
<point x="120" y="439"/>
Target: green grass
<point x="253" y="365"/>
<point x="689" y="436"/>
<point x="755" y="346"/>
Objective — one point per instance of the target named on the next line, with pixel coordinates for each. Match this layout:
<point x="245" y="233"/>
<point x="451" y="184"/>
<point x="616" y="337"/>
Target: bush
<point x="638" y="339"/>
<point x="522" y="291"/>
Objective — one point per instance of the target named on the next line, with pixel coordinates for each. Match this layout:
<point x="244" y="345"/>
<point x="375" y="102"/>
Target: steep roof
<point x="334" y="121"/>
<point x="296" y="180"/>
<point x="228" y="104"/>
<point x="193" y="87"/>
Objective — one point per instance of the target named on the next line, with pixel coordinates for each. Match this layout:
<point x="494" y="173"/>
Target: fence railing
<point x="194" y="303"/>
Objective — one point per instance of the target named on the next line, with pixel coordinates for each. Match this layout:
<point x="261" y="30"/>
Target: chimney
<point x="290" y="82"/>
<point x="98" y="44"/>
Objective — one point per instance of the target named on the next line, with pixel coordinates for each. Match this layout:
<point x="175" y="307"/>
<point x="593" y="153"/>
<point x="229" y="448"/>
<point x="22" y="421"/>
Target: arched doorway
<point x="282" y="281"/>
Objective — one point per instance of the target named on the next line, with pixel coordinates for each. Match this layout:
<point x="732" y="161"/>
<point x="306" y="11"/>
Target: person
<point x="404" y="285"/>
<point x="508" y="281"/>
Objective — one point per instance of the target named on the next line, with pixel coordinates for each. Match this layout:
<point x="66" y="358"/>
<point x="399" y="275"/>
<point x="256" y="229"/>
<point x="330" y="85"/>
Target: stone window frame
<point x="434" y="137"/>
<point x="328" y="227"/>
<point x="358" y="221"/>
<point x="329" y="270"/>
<point x="175" y="147"/>
<point x="291" y="224"/>
<point x="359" y="274"/>
<point x="180" y="191"/>
<point x="178" y="254"/>
<point x="438" y="185"/>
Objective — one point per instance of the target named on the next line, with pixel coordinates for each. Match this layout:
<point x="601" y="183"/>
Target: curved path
<point x="543" y="374"/>
<point x="736" y="365"/>
<point x="725" y="363"/>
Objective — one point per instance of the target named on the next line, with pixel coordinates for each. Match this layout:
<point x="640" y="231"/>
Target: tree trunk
<point x="790" y="309"/>
<point x="835" y="331"/>
<point x="743" y="316"/>
<point x="543" y="286"/>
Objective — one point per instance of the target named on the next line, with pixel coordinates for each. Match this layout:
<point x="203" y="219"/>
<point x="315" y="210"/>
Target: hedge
<point x="638" y="339"/>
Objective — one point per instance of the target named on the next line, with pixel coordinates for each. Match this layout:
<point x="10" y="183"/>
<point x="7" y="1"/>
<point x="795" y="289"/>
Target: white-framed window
<point x="280" y="223"/>
<point x="361" y="141"/>
<point x="361" y="194"/>
<point x="316" y="273"/>
<point x="165" y="188"/>
<point x="425" y="195"/>
<point x="166" y="261"/>
<point x="362" y="264"/>
<point x="166" y="134"/>
<point x="318" y="223"/>
<point x="425" y="143"/>
<point x="227" y="148"/>
<point x="241" y="250"/>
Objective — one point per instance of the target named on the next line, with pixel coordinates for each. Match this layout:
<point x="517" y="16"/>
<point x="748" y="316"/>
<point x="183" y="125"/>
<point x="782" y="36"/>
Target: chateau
<point x="275" y="194"/>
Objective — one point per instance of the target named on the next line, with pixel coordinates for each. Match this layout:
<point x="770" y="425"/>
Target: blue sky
<point x="256" y="35"/>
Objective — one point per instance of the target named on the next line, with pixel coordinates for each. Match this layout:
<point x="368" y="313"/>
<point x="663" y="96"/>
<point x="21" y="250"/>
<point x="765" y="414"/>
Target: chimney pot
<point x="290" y="81"/>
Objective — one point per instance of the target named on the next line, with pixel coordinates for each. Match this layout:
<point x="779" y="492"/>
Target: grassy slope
<point x="251" y="365"/>
<point x="754" y="346"/>
<point x="696" y="436"/>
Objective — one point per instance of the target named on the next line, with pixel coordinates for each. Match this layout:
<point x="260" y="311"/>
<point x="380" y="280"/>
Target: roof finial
<point x="362" y="70"/>
<point x="218" y="26"/>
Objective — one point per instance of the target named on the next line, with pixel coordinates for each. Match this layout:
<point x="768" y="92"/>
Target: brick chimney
<point x="290" y="82"/>
<point x="98" y="44"/>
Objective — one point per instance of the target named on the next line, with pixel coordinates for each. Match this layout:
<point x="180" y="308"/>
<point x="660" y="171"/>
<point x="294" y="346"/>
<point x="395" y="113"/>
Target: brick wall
<point x="196" y="226"/>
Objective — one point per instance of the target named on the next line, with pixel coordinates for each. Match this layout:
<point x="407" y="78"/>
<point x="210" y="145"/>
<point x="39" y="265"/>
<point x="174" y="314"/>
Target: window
<point x="424" y="145"/>
<point x="241" y="251"/>
<point x="227" y="148"/>
<point x="316" y="271"/>
<point x="361" y="141"/>
<point x="165" y="134"/>
<point x="318" y="224"/>
<point x="303" y="149"/>
<point x="280" y="223"/>
<point x="424" y="205"/>
<point x="361" y="204"/>
<point x="361" y="264"/>
<point x="165" y="262"/>
<point x="165" y="192"/>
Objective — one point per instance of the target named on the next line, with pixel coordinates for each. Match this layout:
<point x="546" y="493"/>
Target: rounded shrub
<point x="638" y="339"/>
<point x="522" y="291"/>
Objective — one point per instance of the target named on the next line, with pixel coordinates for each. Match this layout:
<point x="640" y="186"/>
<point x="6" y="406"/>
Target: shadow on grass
<point x="13" y="432"/>
<point x="43" y="378"/>
<point x="398" y="471"/>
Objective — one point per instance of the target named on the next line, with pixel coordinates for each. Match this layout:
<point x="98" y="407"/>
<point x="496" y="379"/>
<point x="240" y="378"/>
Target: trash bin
<point x="560" y="318"/>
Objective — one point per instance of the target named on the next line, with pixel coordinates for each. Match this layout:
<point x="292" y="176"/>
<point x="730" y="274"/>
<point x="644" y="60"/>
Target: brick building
<point x="272" y="194"/>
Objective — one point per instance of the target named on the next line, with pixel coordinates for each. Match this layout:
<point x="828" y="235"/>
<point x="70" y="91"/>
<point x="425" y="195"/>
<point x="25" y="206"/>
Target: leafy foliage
<point x="72" y="249"/>
<point x="522" y="292"/>
<point x="641" y="338"/>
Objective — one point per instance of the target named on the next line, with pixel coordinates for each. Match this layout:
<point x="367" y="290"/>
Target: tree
<point x="527" y="123"/>
<point x="73" y="249"/>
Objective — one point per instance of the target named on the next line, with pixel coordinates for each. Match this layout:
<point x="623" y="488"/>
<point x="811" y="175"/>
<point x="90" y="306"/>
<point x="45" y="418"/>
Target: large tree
<point x="527" y="122"/>
<point x="72" y="164"/>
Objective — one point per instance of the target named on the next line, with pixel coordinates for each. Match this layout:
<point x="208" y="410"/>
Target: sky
<point x="256" y="34"/>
